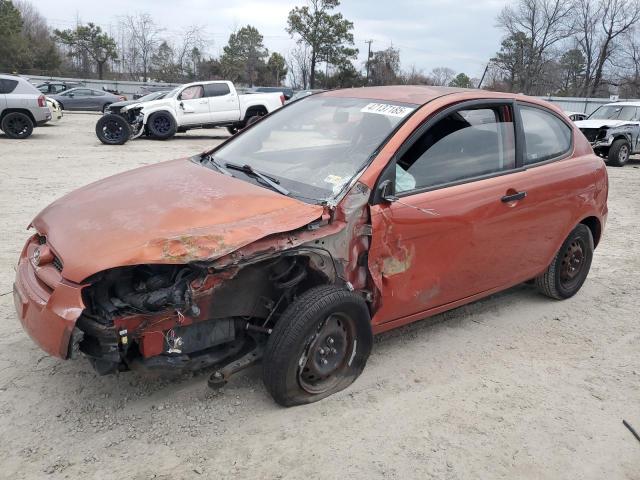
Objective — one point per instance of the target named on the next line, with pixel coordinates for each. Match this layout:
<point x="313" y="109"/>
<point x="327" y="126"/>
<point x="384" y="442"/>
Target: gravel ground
<point x="514" y="386"/>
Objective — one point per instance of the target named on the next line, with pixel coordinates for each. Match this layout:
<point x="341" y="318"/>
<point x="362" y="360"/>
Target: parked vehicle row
<point x="194" y="105"/>
<point x="343" y="215"/>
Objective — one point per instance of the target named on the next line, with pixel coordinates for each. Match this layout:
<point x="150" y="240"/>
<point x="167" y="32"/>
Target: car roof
<point x="622" y="104"/>
<point x="23" y="87"/>
<point x="419" y="94"/>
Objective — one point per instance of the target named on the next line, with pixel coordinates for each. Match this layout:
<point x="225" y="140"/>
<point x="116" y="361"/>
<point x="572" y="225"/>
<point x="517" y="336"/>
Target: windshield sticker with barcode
<point x="386" y="109"/>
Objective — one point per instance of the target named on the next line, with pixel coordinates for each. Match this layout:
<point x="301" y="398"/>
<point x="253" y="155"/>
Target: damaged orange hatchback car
<point x="342" y="215"/>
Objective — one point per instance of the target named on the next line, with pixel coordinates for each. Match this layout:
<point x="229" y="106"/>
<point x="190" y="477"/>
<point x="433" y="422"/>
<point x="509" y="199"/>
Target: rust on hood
<point x="171" y="212"/>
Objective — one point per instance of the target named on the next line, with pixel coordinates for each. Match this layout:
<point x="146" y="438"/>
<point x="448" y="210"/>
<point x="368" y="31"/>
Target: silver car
<point x="83" y="98"/>
<point x="22" y="107"/>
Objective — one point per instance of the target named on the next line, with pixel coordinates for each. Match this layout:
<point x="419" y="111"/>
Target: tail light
<point x="282" y="99"/>
<point x="42" y="102"/>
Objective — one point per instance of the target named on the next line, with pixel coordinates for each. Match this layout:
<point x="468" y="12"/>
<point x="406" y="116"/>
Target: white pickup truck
<point x="194" y="105"/>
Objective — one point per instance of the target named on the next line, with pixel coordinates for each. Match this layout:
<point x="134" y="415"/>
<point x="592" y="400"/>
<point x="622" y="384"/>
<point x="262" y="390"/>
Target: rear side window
<point x="7" y="86"/>
<point x="545" y="135"/>
<point x="216" y="90"/>
<point x="466" y="144"/>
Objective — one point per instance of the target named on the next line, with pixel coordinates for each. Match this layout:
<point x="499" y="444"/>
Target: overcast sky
<point x="429" y="33"/>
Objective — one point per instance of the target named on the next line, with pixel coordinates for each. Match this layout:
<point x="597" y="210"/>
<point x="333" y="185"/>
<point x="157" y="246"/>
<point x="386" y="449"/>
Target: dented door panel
<point x="468" y="244"/>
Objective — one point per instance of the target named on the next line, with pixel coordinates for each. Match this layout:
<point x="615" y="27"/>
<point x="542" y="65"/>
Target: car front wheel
<point x="112" y="129"/>
<point x="570" y="266"/>
<point x="619" y="153"/>
<point x="318" y="347"/>
<point x="17" y="125"/>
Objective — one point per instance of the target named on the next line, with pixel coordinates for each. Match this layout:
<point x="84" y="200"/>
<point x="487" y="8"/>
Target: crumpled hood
<point x="166" y="102"/>
<point x="600" y="123"/>
<point x="170" y="212"/>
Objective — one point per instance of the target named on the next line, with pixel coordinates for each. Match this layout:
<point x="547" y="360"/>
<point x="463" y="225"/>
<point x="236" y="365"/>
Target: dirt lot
<point x="515" y="386"/>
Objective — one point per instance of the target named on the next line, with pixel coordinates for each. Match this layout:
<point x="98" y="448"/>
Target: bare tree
<point x="617" y="17"/>
<point x="191" y="43"/>
<point x="585" y="25"/>
<point x="442" y="76"/>
<point x="144" y="37"/>
<point x="544" y="23"/>
<point x="299" y="67"/>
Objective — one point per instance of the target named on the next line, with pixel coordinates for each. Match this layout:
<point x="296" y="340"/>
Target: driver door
<point x="193" y="106"/>
<point x="455" y="227"/>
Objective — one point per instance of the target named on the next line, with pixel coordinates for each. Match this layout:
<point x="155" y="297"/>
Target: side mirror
<point x="388" y="191"/>
<point x="72" y="94"/>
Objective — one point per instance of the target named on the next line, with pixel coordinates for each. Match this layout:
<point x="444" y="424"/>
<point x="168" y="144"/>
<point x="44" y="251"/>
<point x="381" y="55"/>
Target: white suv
<point x="22" y="107"/>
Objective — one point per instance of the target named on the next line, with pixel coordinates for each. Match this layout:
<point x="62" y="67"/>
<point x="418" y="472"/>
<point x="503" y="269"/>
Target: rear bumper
<point x="47" y="305"/>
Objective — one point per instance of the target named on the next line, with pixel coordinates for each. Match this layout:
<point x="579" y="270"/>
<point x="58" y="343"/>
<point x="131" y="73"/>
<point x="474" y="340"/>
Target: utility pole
<point x="486" y="69"/>
<point x="368" y="58"/>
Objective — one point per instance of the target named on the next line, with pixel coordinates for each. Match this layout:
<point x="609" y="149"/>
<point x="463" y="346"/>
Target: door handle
<point x="513" y="197"/>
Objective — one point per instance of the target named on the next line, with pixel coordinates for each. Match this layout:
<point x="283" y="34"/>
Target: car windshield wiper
<point x="248" y="169"/>
<point x="212" y="161"/>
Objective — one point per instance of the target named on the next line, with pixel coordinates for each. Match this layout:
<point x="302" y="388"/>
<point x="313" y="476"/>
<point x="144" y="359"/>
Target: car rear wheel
<point x="619" y="153"/>
<point x="161" y="125"/>
<point x="17" y="125"/>
<point x="252" y="120"/>
<point x="318" y="347"/>
<point x="112" y="129"/>
<point x="570" y="267"/>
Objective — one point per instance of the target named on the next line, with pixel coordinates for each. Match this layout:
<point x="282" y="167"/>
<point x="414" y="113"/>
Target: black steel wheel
<point x="113" y="129"/>
<point x="161" y="125"/>
<point x="328" y="349"/>
<point x="570" y="266"/>
<point x="318" y="347"/>
<point x="17" y="125"/>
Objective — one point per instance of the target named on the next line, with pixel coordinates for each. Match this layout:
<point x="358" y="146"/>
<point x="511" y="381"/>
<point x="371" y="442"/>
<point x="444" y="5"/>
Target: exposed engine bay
<point x="187" y="317"/>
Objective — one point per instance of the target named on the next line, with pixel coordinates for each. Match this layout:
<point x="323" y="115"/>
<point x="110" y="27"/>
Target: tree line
<point x="568" y="47"/>
<point x="550" y="47"/>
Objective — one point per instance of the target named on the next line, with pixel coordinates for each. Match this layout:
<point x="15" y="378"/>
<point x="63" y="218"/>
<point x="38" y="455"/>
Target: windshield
<point x="315" y="147"/>
<point x="152" y="96"/>
<point x="172" y="93"/>
<point x="615" y="112"/>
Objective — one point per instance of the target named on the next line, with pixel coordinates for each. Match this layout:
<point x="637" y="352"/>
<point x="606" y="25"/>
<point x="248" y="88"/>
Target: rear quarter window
<point x="546" y="136"/>
<point x="7" y="85"/>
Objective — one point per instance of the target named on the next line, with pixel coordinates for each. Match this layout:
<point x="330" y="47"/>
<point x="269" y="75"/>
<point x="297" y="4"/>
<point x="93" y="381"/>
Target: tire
<point x="113" y="129"/>
<point x="325" y="324"/>
<point x="17" y="125"/>
<point x="619" y="153"/>
<point x="251" y="120"/>
<point x="105" y="107"/>
<point x="569" y="267"/>
<point x="161" y="125"/>
<point x="233" y="130"/>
